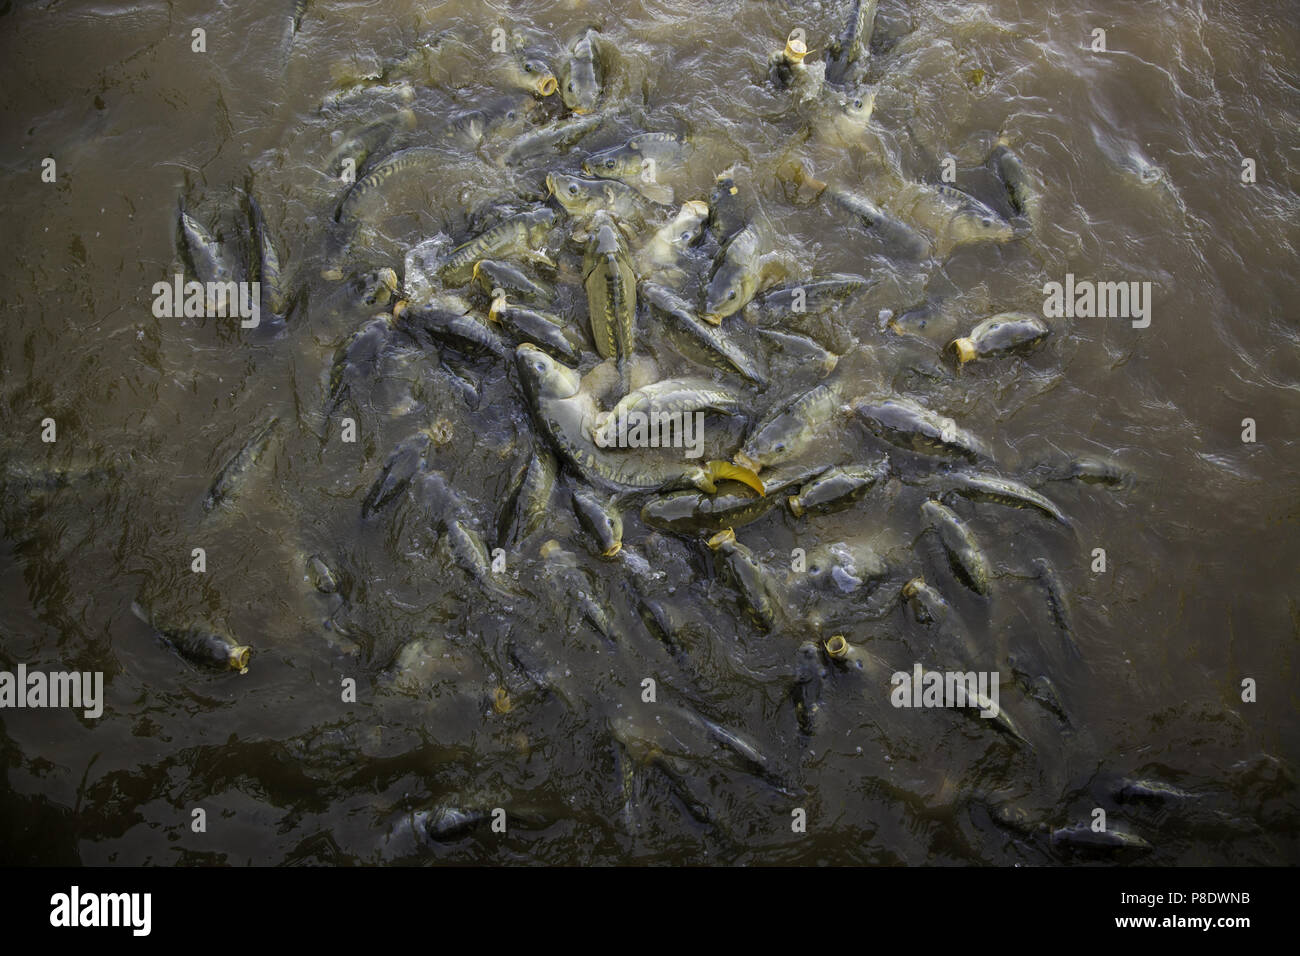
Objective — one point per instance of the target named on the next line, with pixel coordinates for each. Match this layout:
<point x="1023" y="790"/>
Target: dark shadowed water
<point x="1139" y="154"/>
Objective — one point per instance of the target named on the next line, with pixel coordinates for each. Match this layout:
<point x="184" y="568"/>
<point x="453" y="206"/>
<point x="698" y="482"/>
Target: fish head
<point x="618" y="163"/>
<point x="574" y="194"/>
<point x="542" y="376"/>
<point x="982" y="225"/>
<point x="581" y="88"/>
<point x="541" y="79"/>
<point x="727" y="293"/>
<point x="689" y="223"/>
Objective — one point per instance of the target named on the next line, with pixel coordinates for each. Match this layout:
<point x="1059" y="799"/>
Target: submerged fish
<point x="601" y="519"/>
<point x="233" y="473"/>
<point x="837" y="488"/>
<point x="544" y="329"/>
<point x="702" y="341"/>
<point x="902" y="422"/>
<point x="985" y="487"/>
<point x="200" y="644"/>
<point x="401" y="465"/>
<point x="748" y="576"/>
<point x="964" y="553"/>
<point x="690" y="512"/>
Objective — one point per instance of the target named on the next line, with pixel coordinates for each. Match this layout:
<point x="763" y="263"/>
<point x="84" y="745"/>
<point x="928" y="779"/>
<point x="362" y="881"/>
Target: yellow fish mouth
<point x="547" y="85"/>
<point x="238" y="657"/>
<point x="722" y="537"/>
<point x="736" y="472"/>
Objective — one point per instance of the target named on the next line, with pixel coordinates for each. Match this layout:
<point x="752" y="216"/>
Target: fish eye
<point x="570" y="86"/>
<point x="779" y="446"/>
<point x="731" y="294"/>
<point x="857" y="104"/>
<point x="528" y="68"/>
<point x="609" y="164"/>
<point x="573" y="189"/>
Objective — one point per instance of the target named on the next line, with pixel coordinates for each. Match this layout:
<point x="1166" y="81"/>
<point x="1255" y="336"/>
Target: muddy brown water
<point x="1140" y="152"/>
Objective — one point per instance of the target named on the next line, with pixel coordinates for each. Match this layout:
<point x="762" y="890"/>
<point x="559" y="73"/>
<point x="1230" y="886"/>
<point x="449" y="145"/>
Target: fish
<point x="573" y="587"/>
<point x="207" y="258"/>
<point x="413" y="158"/>
<point x="812" y="296"/>
<point x="903" y="422"/>
<point x="1005" y="332"/>
<point x="729" y="211"/>
<point x="986" y="487"/>
<point x="581" y="77"/>
<point x="402" y="464"/>
<point x="663" y="400"/>
<point x="837" y="488"/>
<point x="788" y="431"/>
<point x="735" y="276"/>
<point x="200" y="644"/>
<point x="1150" y="791"/>
<point x="748" y="576"/>
<point x="611" y="290"/>
<point x="898" y="236"/>
<point x="600" y="518"/>
<point x="494" y="274"/>
<point x="952" y="216"/>
<point x="1083" y="837"/>
<point x="809" y="680"/>
<point x="529" y="502"/>
<point x="640" y="161"/>
<point x="927" y="604"/>
<point x="790" y="70"/>
<point x="320" y="575"/>
<point x="566" y="416"/>
<point x="443" y="321"/>
<point x="548" y="140"/>
<point x="964" y="553"/>
<point x="358" y="354"/>
<point x="544" y="329"/>
<point x="846" y="121"/>
<point x="274" y="299"/>
<point x="1092" y="471"/>
<point x="583" y="197"/>
<point x="846" y="53"/>
<point x="1023" y="189"/>
<point x="664" y="251"/>
<point x="733" y="505"/>
<point x="527" y="73"/>
<point x="358" y="145"/>
<point x="1058" y="604"/>
<point x="701" y="341"/>
<point x="524" y="233"/>
<point x="857" y="660"/>
<point x="234" y="472"/>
